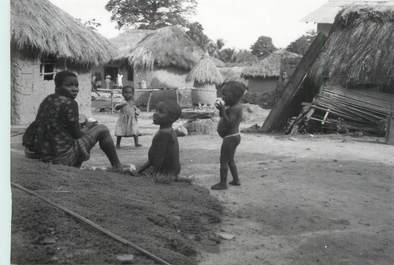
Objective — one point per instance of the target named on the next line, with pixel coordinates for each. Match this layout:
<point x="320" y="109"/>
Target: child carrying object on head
<point x="127" y="125"/>
<point x="163" y="156"/>
<point x="230" y="112"/>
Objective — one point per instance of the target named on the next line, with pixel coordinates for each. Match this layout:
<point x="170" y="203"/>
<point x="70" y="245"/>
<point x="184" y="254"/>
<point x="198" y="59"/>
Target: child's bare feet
<point x="219" y="186"/>
<point x="183" y="179"/>
<point x="235" y="183"/>
<point x="123" y="169"/>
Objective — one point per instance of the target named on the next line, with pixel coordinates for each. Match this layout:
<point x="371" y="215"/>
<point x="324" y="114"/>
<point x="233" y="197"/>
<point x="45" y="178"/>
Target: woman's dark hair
<point x="60" y="76"/>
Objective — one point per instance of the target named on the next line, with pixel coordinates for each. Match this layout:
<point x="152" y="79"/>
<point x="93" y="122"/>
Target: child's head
<point x="128" y="92"/>
<point x="232" y="92"/>
<point x="67" y="82"/>
<point x="166" y="113"/>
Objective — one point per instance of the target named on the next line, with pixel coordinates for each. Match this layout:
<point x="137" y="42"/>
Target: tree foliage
<point x="196" y="33"/>
<point x="226" y="55"/>
<point x="263" y="47"/>
<point x="150" y="14"/>
<point x="92" y="24"/>
<point x="301" y="45"/>
<point x="244" y="57"/>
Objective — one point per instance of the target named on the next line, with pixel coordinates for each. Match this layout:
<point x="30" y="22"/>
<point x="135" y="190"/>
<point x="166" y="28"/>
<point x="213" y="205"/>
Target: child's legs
<point x="100" y="133"/>
<point x="118" y="139"/>
<point x="136" y="140"/>
<point x="228" y="153"/>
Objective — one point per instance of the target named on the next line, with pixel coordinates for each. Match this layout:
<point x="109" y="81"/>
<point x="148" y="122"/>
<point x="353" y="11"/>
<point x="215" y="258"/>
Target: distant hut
<point x="205" y="77"/>
<point x="45" y="40"/>
<point x="123" y="44"/>
<point x="162" y="58"/>
<point x="263" y="78"/>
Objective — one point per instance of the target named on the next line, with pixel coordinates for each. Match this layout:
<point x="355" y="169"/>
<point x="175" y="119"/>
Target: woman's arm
<point x="72" y="119"/>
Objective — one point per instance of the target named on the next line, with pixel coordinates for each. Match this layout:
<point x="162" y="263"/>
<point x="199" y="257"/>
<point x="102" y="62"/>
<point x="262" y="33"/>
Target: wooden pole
<point x="93" y="225"/>
<point x="112" y="101"/>
<point x="279" y="114"/>
<point x="390" y="130"/>
<point x="148" y="103"/>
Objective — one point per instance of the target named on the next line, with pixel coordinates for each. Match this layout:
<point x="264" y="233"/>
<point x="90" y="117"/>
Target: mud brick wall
<point x="28" y="89"/>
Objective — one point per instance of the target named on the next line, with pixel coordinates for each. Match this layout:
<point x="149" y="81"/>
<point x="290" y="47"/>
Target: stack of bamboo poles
<point x="335" y="109"/>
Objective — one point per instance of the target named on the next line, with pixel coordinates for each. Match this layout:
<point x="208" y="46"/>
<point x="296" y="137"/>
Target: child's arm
<point x="119" y="106"/>
<point x="158" y="151"/>
<point x="233" y="117"/>
<point x="137" y="111"/>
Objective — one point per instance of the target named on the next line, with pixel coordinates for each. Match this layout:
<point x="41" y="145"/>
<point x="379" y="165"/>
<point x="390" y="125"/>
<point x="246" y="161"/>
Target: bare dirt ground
<point x="303" y="200"/>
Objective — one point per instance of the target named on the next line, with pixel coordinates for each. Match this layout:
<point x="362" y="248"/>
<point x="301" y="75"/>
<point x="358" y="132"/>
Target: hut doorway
<point x="112" y="71"/>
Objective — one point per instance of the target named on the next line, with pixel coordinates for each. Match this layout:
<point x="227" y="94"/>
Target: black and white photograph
<point x="199" y="132"/>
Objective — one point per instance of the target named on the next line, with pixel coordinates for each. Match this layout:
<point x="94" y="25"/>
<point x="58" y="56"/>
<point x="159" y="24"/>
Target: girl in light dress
<point x="127" y="125"/>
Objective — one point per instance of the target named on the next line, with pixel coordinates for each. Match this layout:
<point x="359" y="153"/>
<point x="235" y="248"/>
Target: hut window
<point x="47" y="69"/>
<point x="130" y="74"/>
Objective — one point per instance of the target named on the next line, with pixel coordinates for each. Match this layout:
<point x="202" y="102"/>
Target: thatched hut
<point x="45" y="40"/>
<point x="205" y="77"/>
<point x="162" y="57"/>
<point x="263" y="78"/>
<point x="359" y="52"/>
<point x="123" y="44"/>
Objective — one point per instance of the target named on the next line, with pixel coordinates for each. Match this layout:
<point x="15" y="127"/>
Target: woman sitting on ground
<point x="55" y="136"/>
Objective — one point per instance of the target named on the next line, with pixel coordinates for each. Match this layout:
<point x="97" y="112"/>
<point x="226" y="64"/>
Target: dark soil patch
<point x="172" y="221"/>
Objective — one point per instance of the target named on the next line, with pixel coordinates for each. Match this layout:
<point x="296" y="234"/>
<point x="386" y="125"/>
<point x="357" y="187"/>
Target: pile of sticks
<point x="343" y="110"/>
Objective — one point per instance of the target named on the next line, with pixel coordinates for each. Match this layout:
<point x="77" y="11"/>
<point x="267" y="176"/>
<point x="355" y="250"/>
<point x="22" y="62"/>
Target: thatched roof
<point x="38" y="26"/>
<point x="127" y="41"/>
<point x="359" y="50"/>
<point x="269" y="67"/>
<point x="168" y="46"/>
<point x="205" y="72"/>
<point x="327" y="12"/>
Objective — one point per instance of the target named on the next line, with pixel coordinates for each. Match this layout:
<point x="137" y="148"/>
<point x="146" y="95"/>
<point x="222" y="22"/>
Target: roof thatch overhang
<point x="205" y="72"/>
<point x="269" y="67"/>
<point x="359" y="51"/>
<point x="127" y="42"/>
<point x="165" y="47"/>
<point x="39" y="27"/>
<point x="326" y="13"/>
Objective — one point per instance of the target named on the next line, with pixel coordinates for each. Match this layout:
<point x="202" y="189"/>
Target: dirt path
<point x="304" y="201"/>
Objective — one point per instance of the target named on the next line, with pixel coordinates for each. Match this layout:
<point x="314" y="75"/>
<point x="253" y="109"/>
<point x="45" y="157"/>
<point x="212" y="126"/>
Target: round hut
<point x="205" y="77"/>
<point x="264" y="77"/>
<point x="46" y="40"/>
<point x="161" y="59"/>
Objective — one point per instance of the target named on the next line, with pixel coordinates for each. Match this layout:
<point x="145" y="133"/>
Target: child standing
<point x="163" y="156"/>
<point x="228" y="128"/>
<point x="127" y="125"/>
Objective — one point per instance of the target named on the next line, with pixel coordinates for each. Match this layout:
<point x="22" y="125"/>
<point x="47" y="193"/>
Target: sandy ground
<point x="303" y="199"/>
